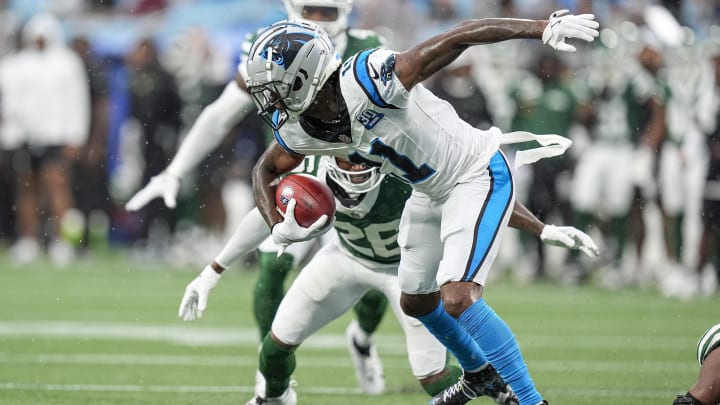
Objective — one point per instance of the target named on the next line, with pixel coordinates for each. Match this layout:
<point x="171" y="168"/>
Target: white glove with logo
<point x="563" y="26"/>
<point x="163" y="185"/>
<point x="194" y="302"/>
<point x="288" y="231"/>
<point x="569" y="237"/>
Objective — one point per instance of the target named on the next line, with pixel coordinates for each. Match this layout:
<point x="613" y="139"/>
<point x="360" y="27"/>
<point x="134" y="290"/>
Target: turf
<point x="106" y="332"/>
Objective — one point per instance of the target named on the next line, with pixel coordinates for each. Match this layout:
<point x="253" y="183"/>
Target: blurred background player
<point x="207" y="133"/>
<point x="90" y="177"/>
<point x="546" y="104"/>
<point x="706" y="390"/>
<point x="154" y="119"/>
<point x="47" y="111"/>
<point x="708" y="111"/>
<point x="616" y="175"/>
<point x="362" y="256"/>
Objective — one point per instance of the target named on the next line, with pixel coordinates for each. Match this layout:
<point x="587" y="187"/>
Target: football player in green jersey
<point x="207" y="133"/>
<point x="361" y="256"/>
<point x="706" y="390"/>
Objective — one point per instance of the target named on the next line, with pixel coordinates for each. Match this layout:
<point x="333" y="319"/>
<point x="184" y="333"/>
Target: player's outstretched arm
<point x="423" y="60"/>
<point x="250" y="233"/>
<point x="206" y="134"/>
<point x="562" y="236"/>
<point x="194" y="301"/>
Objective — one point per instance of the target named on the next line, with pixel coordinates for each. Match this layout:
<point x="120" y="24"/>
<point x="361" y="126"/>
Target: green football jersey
<point x="369" y="230"/>
<point x="640" y="90"/>
<point x="367" y="226"/>
<point x="358" y="40"/>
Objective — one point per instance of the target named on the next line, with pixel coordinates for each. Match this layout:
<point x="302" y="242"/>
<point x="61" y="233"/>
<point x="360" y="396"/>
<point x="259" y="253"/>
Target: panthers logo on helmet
<point x="284" y="48"/>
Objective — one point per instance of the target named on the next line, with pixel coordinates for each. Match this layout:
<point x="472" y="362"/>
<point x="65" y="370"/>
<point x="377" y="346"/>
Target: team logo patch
<point x="369" y="118"/>
<point x="387" y="69"/>
<point x="286" y="194"/>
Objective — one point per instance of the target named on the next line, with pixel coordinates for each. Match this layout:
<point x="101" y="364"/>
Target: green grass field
<point x="106" y="332"/>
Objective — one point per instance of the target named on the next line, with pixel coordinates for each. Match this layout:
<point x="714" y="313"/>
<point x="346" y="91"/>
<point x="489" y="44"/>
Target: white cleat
<point x="289" y="397"/>
<point x="368" y="367"/>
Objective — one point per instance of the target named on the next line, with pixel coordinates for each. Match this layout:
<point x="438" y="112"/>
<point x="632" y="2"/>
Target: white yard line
<point x="316" y="360"/>
<point x="339" y="391"/>
<point x="245" y="389"/>
<point x="190" y="334"/>
<point x="182" y="334"/>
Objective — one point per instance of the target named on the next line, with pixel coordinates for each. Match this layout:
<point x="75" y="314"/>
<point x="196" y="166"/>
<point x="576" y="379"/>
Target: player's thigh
<point x="474" y="219"/>
<point x="419" y="241"/>
<point x="619" y="186"/>
<point x="587" y="183"/>
<point x="426" y="355"/>
<point x="324" y="289"/>
<point x="672" y="179"/>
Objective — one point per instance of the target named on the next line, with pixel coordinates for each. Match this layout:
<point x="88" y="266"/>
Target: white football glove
<point x="569" y="237"/>
<point x="563" y="26"/>
<point x="194" y="302"/>
<point x="288" y="231"/>
<point x="163" y="185"/>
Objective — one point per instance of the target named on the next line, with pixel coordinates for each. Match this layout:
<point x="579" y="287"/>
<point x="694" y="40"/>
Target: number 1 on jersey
<point x="413" y="172"/>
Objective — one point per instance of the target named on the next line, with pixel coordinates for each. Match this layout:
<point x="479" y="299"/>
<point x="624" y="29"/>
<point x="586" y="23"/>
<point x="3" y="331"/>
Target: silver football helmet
<point x="353" y="181"/>
<point x="336" y="12"/>
<point x="287" y="65"/>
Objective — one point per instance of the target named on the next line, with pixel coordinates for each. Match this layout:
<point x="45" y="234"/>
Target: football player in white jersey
<point x="374" y="110"/>
<point x="208" y="132"/>
<point x="706" y="390"/>
<point x="363" y="255"/>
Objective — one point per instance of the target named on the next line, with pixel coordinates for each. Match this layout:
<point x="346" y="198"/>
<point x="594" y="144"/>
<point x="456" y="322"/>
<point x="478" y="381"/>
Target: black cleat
<point x="686" y="399"/>
<point x="486" y="382"/>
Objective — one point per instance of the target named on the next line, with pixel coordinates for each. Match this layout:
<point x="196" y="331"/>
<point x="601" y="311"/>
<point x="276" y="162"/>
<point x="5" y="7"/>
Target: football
<point x="314" y="198"/>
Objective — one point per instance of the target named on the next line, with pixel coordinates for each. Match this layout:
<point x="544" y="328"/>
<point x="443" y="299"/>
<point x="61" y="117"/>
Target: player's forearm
<point x="264" y="193"/>
<point x="521" y="218"/>
<point x="273" y="163"/>
<point x="250" y="233"/>
<point x="211" y="126"/>
<point x="437" y="52"/>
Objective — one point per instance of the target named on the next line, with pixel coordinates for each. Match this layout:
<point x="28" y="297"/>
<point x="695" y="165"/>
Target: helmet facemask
<point x="334" y="13"/>
<point x="287" y="65"/>
<point x="354" y="181"/>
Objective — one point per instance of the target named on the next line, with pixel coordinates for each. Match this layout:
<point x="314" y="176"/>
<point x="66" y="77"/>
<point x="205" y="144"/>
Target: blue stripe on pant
<point x="491" y="216"/>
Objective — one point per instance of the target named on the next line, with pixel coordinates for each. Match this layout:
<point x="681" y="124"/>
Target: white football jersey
<point x="413" y="135"/>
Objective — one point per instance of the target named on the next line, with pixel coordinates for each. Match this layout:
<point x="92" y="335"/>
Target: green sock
<point x="370" y="310"/>
<point x="438" y="386"/>
<point x="276" y="365"/>
<point x="619" y="229"/>
<point x="270" y="288"/>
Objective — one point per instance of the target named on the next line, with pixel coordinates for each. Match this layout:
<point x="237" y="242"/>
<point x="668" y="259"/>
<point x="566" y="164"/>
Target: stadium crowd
<point x="96" y="96"/>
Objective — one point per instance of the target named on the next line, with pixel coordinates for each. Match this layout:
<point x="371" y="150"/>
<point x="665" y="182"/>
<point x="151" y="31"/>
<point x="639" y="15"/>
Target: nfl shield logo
<point x="286" y="195"/>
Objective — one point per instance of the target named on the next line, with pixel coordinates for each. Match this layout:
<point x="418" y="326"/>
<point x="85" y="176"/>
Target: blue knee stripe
<point x="448" y="331"/>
